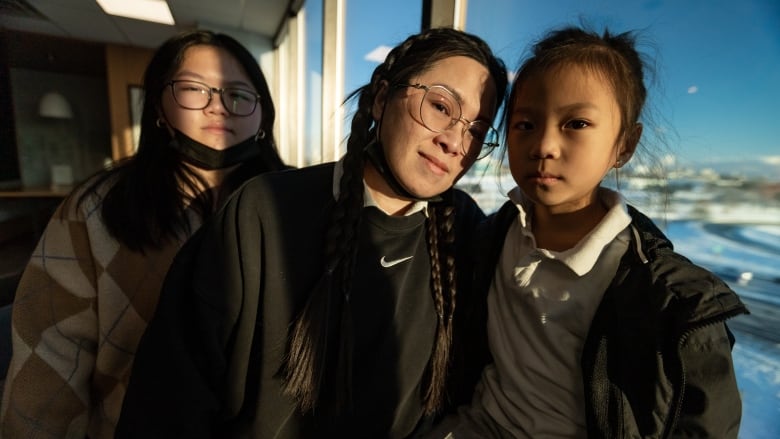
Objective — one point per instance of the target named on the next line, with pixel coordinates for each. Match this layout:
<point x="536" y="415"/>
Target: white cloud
<point x="378" y="55"/>
<point x="771" y="159"/>
<point x="693" y="89"/>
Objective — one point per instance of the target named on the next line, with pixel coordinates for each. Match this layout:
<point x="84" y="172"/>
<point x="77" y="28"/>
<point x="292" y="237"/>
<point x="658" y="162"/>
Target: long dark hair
<point x="318" y="368"/>
<point x="146" y="205"/>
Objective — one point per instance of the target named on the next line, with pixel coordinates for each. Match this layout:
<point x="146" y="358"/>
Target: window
<point x="372" y="29"/>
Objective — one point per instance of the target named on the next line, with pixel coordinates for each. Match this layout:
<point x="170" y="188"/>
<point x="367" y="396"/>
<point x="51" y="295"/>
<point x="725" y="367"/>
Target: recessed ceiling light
<point x="147" y="10"/>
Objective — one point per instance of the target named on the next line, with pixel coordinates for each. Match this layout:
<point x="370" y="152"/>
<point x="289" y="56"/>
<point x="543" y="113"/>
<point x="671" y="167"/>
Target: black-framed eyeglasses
<point x="194" y="95"/>
<point x="440" y="110"/>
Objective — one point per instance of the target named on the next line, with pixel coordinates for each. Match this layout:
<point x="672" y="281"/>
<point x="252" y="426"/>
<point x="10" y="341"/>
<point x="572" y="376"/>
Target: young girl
<point x="596" y="327"/>
<point x="320" y="301"/>
<point x="94" y="279"/>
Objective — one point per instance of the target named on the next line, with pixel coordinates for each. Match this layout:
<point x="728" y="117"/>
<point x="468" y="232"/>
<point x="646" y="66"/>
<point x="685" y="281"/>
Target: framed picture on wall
<point x="135" y="99"/>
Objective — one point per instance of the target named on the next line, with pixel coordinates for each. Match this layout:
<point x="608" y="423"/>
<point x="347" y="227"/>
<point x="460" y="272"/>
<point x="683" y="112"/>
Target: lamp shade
<point x="54" y="105"/>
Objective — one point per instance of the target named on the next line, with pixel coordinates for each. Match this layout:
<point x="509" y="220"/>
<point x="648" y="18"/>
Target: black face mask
<point x="376" y="155"/>
<point x="209" y="158"/>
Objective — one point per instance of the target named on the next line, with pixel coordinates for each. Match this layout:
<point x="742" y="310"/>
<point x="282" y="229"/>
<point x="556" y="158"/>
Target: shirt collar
<point x="368" y="200"/>
<point x="582" y="257"/>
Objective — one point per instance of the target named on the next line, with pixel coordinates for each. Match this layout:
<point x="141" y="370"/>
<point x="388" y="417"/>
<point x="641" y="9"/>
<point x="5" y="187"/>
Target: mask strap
<point x="376" y="155"/>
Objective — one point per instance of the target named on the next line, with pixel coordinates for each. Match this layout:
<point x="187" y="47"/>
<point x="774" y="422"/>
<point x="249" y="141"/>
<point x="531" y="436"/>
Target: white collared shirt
<point x="540" y="307"/>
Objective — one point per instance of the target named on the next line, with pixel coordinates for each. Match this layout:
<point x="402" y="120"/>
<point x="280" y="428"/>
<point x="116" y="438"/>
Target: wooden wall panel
<point x="125" y="67"/>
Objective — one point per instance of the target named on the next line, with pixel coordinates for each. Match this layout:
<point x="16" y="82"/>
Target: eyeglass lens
<point x="196" y="96"/>
<point x="440" y="110"/>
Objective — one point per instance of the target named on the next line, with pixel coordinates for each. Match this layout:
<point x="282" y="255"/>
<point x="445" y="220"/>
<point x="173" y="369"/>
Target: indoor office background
<point x="69" y="74"/>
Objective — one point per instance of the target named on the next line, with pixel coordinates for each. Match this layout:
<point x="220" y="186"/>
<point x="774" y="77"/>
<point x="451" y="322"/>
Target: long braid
<point x="440" y="356"/>
<point x="441" y="238"/>
<point x="447" y="238"/>
<point x="325" y="321"/>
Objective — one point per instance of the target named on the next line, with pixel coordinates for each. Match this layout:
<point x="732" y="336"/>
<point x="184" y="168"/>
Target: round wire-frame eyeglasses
<point x="440" y="110"/>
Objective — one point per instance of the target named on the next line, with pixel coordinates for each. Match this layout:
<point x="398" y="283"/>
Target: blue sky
<point x="717" y="90"/>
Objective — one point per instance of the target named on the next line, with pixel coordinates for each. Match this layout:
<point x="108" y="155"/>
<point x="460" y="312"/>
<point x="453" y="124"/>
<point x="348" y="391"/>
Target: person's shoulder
<point x="290" y="177"/>
<point x="502" y="216"/>
<point x="464" y="201"/>
<point x="644" y="223"/>
<point x="289" y="185"/>
<point x="461" y="195"/>
<point x="468" y="214"/>
<point x="651" y="239"/>
<point x="88" y="195"/>
<point x="680" y="275"/>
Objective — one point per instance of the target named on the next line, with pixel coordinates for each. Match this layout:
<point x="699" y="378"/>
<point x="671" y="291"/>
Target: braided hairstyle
<point x="317" y="370"/>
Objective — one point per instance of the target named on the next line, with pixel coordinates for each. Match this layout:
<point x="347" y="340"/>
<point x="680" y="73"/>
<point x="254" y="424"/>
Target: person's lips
<point x="437" y="166"/>
<point x="218" y="128"/>
<point x="543" y="178"/>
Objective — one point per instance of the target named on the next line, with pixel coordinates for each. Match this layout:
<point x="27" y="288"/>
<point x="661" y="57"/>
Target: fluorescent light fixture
<point x="147" y="10"/>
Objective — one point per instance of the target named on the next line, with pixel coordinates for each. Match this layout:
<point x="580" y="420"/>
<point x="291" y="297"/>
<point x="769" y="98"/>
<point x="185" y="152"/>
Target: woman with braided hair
<point x="322" y="301"/>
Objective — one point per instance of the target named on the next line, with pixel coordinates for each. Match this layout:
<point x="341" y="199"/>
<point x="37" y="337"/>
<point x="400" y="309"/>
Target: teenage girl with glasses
<point x="322" y="302"/>
<point x="94" y="279"/>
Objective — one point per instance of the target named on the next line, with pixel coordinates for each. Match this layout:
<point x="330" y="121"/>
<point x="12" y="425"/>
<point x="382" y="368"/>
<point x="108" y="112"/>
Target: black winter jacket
<point x="657" y="359"/>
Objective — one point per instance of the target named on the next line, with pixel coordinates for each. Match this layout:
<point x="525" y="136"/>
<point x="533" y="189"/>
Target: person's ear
<point x="162" y="122"/>
<point x="379" y="100"/>
<point x="630" y="143"/>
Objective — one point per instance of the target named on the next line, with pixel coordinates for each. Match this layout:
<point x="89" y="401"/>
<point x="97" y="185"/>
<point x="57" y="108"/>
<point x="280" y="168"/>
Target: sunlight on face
<point x="427" y="162"/>
<point x="562" y="136"/>
<point x="213" y="126"/>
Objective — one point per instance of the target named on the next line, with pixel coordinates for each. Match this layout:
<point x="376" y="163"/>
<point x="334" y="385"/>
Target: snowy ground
<point x="747" y="258"/>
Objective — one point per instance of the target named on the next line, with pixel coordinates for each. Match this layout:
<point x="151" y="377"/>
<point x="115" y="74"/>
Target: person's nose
<point x="455" y="137"/>
<point x="451" y="140"/>
<point x="216" y="106"/>
<point x="546" y="143"/>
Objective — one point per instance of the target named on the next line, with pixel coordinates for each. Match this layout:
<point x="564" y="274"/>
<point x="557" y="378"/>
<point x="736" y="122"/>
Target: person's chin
<point x="430" y="191"/>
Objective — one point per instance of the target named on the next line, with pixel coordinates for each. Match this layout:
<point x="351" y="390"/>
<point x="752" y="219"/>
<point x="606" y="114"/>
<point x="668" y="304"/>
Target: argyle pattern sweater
<point x="81" y="307"/>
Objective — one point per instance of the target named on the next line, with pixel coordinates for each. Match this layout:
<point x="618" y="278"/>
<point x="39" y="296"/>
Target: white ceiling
<point x="85" y="20"/>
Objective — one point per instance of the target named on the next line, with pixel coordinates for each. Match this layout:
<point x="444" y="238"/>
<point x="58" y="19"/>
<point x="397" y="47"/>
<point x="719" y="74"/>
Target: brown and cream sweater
<point x="81" y="307"/>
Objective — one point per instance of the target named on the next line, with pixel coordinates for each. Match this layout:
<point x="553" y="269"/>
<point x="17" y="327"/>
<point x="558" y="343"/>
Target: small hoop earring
<point x="260" y="135"/>
<point x="618" y="163"/>
<point x="159" y="122"/>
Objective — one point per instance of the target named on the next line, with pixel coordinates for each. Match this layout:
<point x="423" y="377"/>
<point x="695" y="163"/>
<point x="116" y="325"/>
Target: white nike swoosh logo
<point x="387" y="264"/>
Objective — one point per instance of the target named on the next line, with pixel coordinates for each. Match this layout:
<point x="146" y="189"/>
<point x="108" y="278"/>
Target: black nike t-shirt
<point x="392" y="306"/>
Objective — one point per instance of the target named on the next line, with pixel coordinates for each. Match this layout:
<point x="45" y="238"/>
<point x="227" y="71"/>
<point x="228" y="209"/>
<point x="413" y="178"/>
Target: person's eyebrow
<point x="579" y="106"/>
<point x="562" y="109"/>
<point x="197" y="76"/>
<point x="451" y="90"/>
